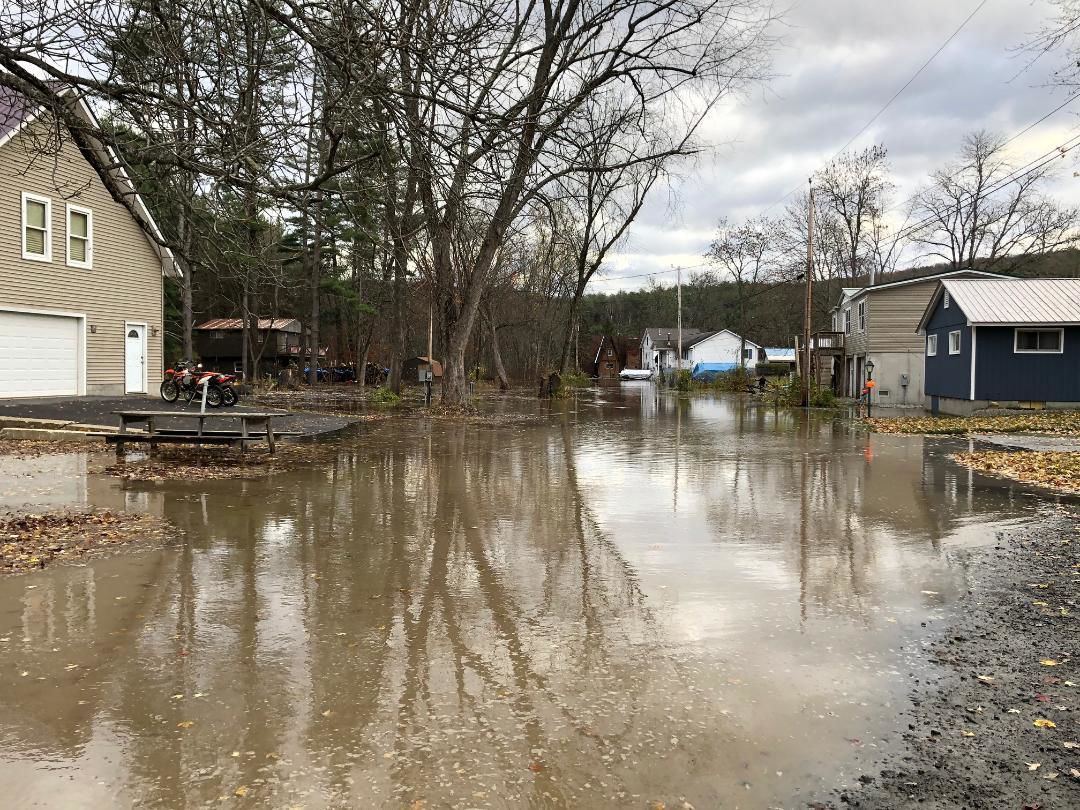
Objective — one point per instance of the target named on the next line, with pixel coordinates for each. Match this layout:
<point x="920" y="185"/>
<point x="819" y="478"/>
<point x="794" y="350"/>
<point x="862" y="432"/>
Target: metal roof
<point x="851" y="293"/>
<point x="786" y="353"/>
<point x="226" y="324"/>
<point x="1008" y="301"/>
<point x="668" y="337"/>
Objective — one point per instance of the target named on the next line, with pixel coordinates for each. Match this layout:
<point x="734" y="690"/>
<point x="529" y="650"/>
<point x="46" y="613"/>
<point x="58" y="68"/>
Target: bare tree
<point x="980" y="211"/>
<point x="852" y="188"/>
<point x="748" y="254"/>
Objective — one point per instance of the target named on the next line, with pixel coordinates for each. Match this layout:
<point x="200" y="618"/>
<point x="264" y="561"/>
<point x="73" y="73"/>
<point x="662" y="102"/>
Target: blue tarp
<point x="706" y="371"/>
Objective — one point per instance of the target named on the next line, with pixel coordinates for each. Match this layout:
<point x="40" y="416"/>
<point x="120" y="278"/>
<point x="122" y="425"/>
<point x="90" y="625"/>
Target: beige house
<point x="879" y="323"/>
<point x="80" y="278"/>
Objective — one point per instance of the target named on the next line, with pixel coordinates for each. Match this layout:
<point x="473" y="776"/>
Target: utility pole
<point x="809" y="298"/>
<point x="430" y="349"/>
<point x="678" y="358"/>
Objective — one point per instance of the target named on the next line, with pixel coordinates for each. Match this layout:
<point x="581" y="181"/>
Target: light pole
<point x="869" y="384"/>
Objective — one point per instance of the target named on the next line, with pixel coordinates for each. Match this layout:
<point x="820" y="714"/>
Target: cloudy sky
<point x="838" y="63"/>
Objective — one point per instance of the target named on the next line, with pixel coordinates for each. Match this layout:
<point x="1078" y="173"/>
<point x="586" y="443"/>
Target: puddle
<point x="639" y="599"/>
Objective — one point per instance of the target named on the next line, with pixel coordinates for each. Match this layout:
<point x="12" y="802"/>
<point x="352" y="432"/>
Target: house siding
<point x="125" y="282"/>
<point x="1001" y="374"/>
<point x="949" y="375"/>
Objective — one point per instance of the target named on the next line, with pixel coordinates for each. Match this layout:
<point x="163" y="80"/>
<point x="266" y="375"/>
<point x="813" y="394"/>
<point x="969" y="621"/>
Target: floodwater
<point x="631" y="600"/>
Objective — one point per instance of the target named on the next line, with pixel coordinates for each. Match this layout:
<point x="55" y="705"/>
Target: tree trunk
<point x="496" y="357"/>
<point x="571" y="322"/>
<point x="314" y="284"/>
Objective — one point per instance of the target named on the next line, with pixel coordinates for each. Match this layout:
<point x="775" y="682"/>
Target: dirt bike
<point x="187" y="380"/>
<point x="229" y="397"/>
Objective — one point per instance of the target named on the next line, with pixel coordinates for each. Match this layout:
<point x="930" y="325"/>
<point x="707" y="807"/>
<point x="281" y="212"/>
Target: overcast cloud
<point x="839" y="62"/>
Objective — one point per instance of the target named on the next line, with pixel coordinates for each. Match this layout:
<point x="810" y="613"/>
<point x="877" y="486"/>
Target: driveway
<point x="99" y="411"/>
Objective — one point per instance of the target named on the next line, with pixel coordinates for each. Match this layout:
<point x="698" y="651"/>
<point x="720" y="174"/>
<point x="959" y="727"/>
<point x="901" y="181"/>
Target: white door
<point x="135" y="359"/>
<point x="39" y="355"/>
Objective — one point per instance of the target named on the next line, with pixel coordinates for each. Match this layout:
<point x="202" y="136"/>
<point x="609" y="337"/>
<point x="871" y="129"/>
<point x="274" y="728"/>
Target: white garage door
<point x="39" y="355"/>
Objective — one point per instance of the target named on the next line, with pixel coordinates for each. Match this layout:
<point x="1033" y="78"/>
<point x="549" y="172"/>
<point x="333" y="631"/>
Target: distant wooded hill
<point x="773" y="313"/>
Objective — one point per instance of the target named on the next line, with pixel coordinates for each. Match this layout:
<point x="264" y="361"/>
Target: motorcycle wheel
<point x="213" y="396"/>
<point x="169" y="391"/>
<point x="228" y="396"/>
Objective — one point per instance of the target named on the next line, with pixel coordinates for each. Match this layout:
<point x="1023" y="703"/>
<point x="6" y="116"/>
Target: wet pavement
<point x="100" y="411"/>
<point x="634" y="600"/>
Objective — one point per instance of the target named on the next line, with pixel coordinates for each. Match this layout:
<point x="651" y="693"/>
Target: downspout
<point x="973" y="363"/>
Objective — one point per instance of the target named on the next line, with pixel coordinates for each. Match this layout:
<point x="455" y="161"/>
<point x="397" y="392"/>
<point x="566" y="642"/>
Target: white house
<point x="659" y="349"/>
<point x="723" y="347"/>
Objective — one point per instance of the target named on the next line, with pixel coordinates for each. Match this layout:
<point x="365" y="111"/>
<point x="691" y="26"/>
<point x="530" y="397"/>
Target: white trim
<point x="959" y="341"/>
<point x="146" y="358"/>
<point x="1016" y="335"/>
<point x="28" y="119"/>
<point x="862" y="317"/>
<point x="931" y="339"/>
<point x="972" y="364"/>
<point x="80" y="384"/>
<point x="165" y="255"/>
<point x="28" y="196"/>
<point x="79" y="209"/>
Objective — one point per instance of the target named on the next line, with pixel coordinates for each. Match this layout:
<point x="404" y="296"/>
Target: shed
<point x="219" y="342"/>
<point x="1011" y="342"/>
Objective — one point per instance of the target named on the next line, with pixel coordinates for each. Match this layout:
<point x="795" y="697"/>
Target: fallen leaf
<point x="1042" y="722"/>
<point x="1071" y="744"/>
<point x="185" y="724"/>
<point x="1033" y="766"/>
<point x="985" y="678"/>
<point x="967" y="733"/>
<point x="1049" y="662"/>
<point x="535" y="766"/>
<point x="1051" y="775"/>
<point x="241" y="791"/>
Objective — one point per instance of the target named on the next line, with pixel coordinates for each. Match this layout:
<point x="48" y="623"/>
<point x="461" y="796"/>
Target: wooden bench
<point x="253" y="426"/>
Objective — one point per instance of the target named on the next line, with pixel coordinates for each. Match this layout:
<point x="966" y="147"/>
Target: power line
<point x="895" y="96"/>
<point x="1042" y="160"/>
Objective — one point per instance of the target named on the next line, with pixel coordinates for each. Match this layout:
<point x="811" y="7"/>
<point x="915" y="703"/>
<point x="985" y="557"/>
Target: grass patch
<point x="1050" y="423"/>
<point x="1054" y="470"/>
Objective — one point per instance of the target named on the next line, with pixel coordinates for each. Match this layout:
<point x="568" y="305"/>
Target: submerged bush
<point x="384" y="396"/>
<point x="575" y="379"/>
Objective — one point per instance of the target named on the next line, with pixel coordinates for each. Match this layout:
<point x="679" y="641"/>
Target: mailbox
<point x="904" y="379"/>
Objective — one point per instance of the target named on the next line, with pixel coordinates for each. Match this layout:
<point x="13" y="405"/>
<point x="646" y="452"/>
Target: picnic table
<point x="253" y="425"/>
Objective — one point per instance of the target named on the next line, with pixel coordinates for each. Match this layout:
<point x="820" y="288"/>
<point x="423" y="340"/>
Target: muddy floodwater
<point x="629" y="600"/>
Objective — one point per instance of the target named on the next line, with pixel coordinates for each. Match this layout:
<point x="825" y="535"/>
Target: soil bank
<point x="999" y="727"/>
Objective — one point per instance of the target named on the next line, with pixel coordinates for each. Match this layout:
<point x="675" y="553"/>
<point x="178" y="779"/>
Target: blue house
<point x="1009" y="342"/>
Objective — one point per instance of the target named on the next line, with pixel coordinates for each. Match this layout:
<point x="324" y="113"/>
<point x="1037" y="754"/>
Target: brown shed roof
<point x="227" y="324"/>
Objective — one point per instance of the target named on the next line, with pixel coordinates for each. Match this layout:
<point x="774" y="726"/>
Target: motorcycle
<point x="229" y="397"/>
<point x="187" y="379"/>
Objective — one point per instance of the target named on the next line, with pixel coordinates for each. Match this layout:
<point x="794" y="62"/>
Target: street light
<point x="869" y="384"/>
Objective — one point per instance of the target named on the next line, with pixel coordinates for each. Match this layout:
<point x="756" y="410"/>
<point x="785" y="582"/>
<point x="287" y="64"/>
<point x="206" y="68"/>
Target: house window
<point x="611" y="365"/>
<point x="610" y="352"/>
<point x="862" y="316"/>
<point x="883" y="393"/>
<point x="1039" y="341"/>
<point x="748" y="354"/>
<point x="954" y="342"/>
<point x="945" y="305"/>
<point x="37" y="228"/>
<point x="931" y="345"/>
<point x="80" y="237"/>
<point x="847" y="321"/>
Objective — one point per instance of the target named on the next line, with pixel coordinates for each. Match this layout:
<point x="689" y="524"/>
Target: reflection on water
<point x="638" y="599"/>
